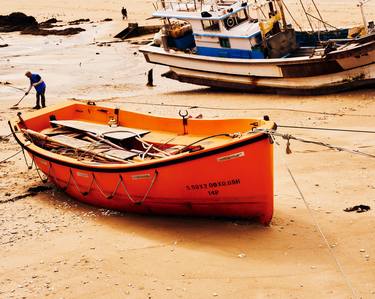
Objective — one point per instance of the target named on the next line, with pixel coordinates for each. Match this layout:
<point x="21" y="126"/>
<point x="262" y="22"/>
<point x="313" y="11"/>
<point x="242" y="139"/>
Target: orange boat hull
<point x="230" y="181"/>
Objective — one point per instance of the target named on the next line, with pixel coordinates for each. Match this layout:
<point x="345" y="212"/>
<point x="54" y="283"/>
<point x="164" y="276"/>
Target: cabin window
<point x="241" y="16"/>
<point x="210" y="25"/>
<point x="235" y="19"/>
<point x="224" y="42"/>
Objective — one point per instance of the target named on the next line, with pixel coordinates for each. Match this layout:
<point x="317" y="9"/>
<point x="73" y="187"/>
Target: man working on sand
<point x="124" y="13"/>
<point x="40" y="87"/>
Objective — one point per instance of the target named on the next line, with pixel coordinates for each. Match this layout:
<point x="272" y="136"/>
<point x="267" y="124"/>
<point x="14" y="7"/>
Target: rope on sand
<point x="319" y="229"/>
<point x="10" y="157"/>
<point x="337" y="262"/>
<point x="5" y="137"/>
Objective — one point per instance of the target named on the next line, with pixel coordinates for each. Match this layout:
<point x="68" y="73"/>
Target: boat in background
<point x="132" y="162"/>
<point x="250" y="46"/>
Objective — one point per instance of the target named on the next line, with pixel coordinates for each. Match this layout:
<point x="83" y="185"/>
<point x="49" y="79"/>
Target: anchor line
<point x="323" y="236"/>
<point x="288" y="137"/>
<point x="319" y="229"/>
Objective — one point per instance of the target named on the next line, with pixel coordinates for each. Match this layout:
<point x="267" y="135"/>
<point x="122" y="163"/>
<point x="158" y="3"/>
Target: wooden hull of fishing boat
<point x="352" y="79"/>
<point x="234" y="180"/>
<point x="338" y="70"/>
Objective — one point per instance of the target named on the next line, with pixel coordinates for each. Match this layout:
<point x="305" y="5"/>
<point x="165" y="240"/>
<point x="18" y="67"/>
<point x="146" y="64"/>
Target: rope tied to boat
<point x="289" y="137"/>
<point x="94" y="181"/>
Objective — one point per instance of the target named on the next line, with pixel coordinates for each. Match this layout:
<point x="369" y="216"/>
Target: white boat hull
<point x="339" y="70"/>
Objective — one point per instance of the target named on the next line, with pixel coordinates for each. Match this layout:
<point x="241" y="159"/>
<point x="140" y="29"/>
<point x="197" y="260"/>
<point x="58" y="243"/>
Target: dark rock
<point x="358" y="209"/>
<point x="66" y="31"/>
<point x="49" y="23"/>
<point x="79" y="21"/>
<point x="17" y="21"/>
<point x="38" y="189"/>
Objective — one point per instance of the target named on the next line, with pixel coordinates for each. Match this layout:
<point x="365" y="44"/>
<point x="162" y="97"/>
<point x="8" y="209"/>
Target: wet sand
<point x="53" y="246"/>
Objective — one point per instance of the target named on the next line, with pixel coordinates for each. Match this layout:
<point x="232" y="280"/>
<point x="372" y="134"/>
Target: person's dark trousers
<point x="40" y="97"/>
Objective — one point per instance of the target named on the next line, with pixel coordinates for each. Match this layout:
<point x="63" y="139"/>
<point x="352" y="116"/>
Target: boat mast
<point x="360" y="5"/>
<point x="281" y="8"/>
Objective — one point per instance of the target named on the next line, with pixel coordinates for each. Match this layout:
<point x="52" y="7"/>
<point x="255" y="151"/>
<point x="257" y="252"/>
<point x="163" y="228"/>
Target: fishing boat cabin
<point x="231" y="29"/>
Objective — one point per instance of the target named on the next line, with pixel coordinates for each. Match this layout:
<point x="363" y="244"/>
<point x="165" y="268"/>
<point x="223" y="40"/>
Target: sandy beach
<point x="52" y="246"/>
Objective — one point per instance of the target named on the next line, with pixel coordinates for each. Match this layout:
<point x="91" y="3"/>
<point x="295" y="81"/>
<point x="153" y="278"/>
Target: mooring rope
<point x="242" y="109"/>
<point x="4" y="137"/>
<point x="337" y="262"/>
<point x="10" y="157"/>
<point x="289" y="137"/>
<point x="27" y="163"/>
<point x="326" y="129"/>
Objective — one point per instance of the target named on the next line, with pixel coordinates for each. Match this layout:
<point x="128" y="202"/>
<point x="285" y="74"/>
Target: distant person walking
<point x="40" y="87"/>
<point x="124" y="13"/>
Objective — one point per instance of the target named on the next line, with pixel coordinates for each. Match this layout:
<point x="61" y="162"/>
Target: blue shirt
<point x="36" y="78"/>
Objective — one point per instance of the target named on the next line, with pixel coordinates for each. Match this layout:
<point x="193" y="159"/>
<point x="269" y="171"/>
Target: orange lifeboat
<point x="133" y="162"/>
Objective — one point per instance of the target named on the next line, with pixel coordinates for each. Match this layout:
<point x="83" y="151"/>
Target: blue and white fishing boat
<point x="251" y="46"/>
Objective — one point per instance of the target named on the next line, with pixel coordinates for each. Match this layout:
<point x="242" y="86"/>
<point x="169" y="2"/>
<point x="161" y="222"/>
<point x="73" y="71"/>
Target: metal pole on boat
<point x="164" y="38"/>
<point x="360" y="5"/>
<point x="281" y="8"/>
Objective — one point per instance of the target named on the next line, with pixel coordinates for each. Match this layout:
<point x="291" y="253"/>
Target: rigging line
<point x="307" y="17"/>
<point x="326" y="129"/>
<point x="244" y="109"/>
<point x="320" y="16"/>
<point x="338" y="264"/>
<point x="324" y="22"/>
<point x="294" y="20"/>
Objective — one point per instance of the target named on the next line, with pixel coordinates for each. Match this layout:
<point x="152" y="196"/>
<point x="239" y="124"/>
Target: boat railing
<point x="190" y="5"/>
<point x="178" y="5"/>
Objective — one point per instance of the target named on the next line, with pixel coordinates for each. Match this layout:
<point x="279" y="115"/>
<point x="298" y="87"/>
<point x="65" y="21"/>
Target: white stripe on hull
<point x="224" y="66"/>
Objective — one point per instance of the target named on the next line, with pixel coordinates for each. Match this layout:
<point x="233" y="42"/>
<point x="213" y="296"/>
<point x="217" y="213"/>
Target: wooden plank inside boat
<point x="118" y="133"/>
<point x="73" y="142"/>
<point x="120" y="154"/>
<point x="85" y="145"/>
